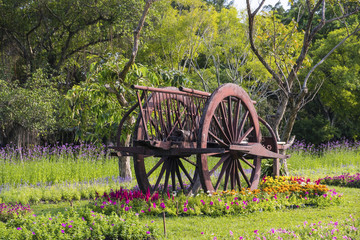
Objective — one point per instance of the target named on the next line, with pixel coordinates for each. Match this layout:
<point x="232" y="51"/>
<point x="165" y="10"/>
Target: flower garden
<point x="88" y="201"/>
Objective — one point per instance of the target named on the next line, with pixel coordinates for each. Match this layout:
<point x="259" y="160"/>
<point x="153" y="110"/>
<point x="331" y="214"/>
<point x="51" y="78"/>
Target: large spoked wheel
<point x="269" y="141"/>
<point x="166" y="116"/>
<point x="229" y="118"/>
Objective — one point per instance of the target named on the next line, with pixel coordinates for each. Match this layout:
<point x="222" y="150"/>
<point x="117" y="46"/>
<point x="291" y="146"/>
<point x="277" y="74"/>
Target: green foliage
<point x="42" y="193"/>
<point x="32" y="106"/>
<point x="96" y="106"/>
<point x="315" y="130"/>
<point x="341" y="81"/>
<point x="76" y="225"/>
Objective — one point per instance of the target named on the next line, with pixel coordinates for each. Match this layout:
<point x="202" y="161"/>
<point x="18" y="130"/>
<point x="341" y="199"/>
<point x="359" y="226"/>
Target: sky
<point x="241" y="4"/>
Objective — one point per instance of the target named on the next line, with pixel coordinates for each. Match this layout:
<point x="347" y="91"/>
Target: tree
<point x="110" y="80"/>
<point x="28" y="112"/>
<point x="48" y="33"/>
<point x="292" y="78"/>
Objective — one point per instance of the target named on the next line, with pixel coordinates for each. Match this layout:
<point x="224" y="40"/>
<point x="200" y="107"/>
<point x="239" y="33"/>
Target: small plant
<point x="344" y="180"/>
<point x="11" y="211"/>
<point x="274" y="193"/>
<point x="79" y="225"/>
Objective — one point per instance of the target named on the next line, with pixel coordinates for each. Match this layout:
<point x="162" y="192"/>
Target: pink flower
<point x="62" y="231"/>
<point x="185" y="209"/>
<point x="202" y="232"/>
<point x="227" y="207"/>
<point x="70" y="226"/>
<point x="148" y="232"/>
<point x="63" y="224"/>
<point x="256" y="231"/>
<point x="19" y="228"/>
<point x="231" y="233"/>
<point x="211" y="203"/>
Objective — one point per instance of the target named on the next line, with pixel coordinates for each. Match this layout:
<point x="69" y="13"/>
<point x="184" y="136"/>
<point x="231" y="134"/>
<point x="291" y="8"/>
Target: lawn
<point x="86" y="170"/>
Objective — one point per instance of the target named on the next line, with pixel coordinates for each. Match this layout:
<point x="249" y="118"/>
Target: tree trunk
<point x="124" y="161"/>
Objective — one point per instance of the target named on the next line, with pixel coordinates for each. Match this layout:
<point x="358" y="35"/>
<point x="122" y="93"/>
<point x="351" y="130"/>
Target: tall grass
<point x="56" y="164"/>
<point x="326" y="159"/>
<point x="77" y="163"/>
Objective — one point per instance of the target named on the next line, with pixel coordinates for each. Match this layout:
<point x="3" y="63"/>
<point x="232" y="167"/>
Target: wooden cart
<point x="221" y="129"/>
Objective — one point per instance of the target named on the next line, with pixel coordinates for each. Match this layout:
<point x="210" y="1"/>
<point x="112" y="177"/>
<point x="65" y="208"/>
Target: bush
<point x="76" y="225"/>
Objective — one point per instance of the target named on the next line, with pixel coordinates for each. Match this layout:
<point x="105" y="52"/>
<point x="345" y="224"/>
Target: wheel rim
<point x="229" y="117"/>
<point x="177" y="112"/>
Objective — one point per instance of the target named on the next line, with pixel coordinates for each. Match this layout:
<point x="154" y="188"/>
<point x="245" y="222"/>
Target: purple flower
<point x="256" y="231"/>
<point x="162" y="205"/>
<point x="185" y="209"/>
<point x="33" y="233"/>
<point x="127" y="209"/>
<point x="19" y="228"/>
<point x="62" y="231"/>
<point x="211" y="203"/>
<point x="148" y="232"/>
<point x="63" y="224"/>
<point x="70" y="226"/>
<point x="202" y="232"/>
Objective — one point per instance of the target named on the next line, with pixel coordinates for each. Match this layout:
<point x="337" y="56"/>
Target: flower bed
<point x="278" y="193"/>
<point x="332" y="230"/>
<point x="344" y="180"/>
<point x="11" y="211"/>
<point x="76" y="225"/>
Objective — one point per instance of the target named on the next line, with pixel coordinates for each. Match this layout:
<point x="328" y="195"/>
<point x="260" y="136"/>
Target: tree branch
<point x="251" y="17"/>
<point x="328" y="54"/>
<point x="137" y="31"/>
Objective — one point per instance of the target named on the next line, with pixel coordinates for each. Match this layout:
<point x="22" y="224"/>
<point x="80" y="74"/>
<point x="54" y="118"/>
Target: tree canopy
<point x="62" y="62"/>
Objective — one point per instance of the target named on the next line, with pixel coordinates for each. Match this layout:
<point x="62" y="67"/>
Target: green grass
<point x="300" y="164"/>
<point x="191" y="227"/>
<point x="328" y="163"/>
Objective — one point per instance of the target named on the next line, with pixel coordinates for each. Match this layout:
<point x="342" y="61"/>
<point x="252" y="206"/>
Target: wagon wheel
<point x="269" y="141"/>
<point x="229" y="118"/>
<point x="165" y="114"/>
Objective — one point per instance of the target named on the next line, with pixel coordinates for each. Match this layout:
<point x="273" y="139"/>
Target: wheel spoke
<point x="179" y="175"/>
<point x="223" y="134"/>
<point x="167" y="176"/>
<point x="189" y="161"/>
<point x="225" y="122"/>
<point x="230" y="117"/>
<point x="236" y="120"/>
<point x="221" y="161"/>
<point x="156" y="166"/>
<point x="173" y="177"/>
<point x="221" y="142"/>
<point x="242" y="124"/>
<point x="160" y="175"/>
<point x="243" y="173"/>
<point x="246" y="134"/>
<point x="248" y="163"/>
<point x="237" y="176"/>
<point x="227" y="173"/>
<point x="223" y="168"/>
<point x="185" y="172"/>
